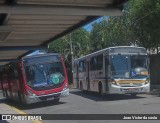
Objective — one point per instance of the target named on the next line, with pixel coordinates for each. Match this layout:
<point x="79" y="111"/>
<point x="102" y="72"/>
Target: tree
<point x="145" y="16"/>
<point x="111" y="31"/>
<point x="80" y="44"/>
<point x="76" y="42"/>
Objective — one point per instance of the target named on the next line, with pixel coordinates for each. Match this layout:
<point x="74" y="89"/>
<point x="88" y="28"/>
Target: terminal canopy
<point x="28" y="25"/>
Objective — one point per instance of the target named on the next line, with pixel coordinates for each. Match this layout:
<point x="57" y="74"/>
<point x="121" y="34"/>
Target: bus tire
<point x="56" y="100"/>
<point x="133" y="95"/>
<point x="100" y="89"/>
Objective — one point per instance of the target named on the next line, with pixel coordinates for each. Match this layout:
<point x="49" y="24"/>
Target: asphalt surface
<point x="92" y="103"/>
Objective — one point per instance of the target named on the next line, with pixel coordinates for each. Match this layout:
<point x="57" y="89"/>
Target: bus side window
<point x="79" y="68"/>
<point x="82" y="66"/>
<point x="4" y="75"/>
<point x="13" y="73"/>
<point x="93" y="63"/>
<point x="100" y="62"/>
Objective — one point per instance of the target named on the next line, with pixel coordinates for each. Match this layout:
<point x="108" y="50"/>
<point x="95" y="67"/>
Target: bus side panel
<point x="96" y="77"/>
<point x="1" y="84"/>
<point x="82" y="79"/>
<point x="10" y="84"/>
<point x="9" y="89"/>
<point x="24" y="78"/>
<point x="21" y="80"/>
<point x="4" y="81"/>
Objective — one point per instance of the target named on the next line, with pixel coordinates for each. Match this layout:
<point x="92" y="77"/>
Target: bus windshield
<point x="129" y="66"/>
<point x="45" y="75"/>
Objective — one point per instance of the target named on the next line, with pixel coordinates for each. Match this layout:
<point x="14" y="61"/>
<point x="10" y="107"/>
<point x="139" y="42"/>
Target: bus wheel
<point x="133" y="95"/>
<point x="56" y="100"/>
<point x="81" y="87"/>
<point x="100" y="89"/>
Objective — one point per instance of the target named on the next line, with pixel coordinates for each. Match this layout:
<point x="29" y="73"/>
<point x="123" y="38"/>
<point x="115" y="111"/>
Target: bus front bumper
<point x="35" y="99"/>
<point x="128" y="90"/>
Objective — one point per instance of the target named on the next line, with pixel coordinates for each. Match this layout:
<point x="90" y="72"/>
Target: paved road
<point x="92" y="103"/>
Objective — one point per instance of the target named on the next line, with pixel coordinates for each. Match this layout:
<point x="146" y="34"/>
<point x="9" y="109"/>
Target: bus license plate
<point x="51" y="98"/>
<point x="131" y="89"/>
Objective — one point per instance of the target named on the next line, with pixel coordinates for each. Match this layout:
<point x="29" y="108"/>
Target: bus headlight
<point x="147" y="81"/>
<point x="114" y="82"/>
<point x="30" y="93"/>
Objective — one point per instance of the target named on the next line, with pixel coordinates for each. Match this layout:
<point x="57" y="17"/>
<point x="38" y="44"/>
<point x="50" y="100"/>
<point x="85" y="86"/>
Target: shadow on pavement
<point x="3" y="121"/>
<point x="2" y="100"/>
<point x="31" y="106"/>
<point x="107" y="97"/>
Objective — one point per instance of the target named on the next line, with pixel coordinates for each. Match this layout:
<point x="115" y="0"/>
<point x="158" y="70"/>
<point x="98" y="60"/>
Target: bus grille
<point x="44" y="98"/>
<point x="131" y="84"/>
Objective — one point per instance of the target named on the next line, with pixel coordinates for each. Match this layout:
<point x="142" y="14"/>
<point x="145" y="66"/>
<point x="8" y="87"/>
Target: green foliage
<point x="78" y="40"/>
<point x="145" y="16"/>
<point x="138" y="25"/>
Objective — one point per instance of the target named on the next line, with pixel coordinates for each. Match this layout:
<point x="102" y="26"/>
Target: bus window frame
<point x="100" y="62"/>
<point x="82" y="68"/>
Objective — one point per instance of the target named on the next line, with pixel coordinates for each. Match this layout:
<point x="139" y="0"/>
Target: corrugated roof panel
<point x="2" y="1"/>
<point x="94" y="3"/>
<point x="33" y="43"/>
<point x="38" y="22"/>
<point x="45" y="17"/>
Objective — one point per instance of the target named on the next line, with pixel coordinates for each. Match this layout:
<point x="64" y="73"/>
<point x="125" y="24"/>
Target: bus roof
<point x="40" y="55"/>
<point x="108" y="49"/>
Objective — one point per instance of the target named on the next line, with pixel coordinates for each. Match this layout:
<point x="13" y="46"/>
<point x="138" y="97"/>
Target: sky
<point x="88" y="27"/>
<point x="34" y="53"/>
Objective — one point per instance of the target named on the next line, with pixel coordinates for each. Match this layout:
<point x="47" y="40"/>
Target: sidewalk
<point x="6" y="109"/>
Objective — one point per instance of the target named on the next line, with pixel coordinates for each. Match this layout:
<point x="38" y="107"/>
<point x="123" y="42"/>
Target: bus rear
<point x="45" y="78"/>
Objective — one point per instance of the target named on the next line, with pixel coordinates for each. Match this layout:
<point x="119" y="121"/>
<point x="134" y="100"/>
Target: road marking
<point x="22" y="112"/>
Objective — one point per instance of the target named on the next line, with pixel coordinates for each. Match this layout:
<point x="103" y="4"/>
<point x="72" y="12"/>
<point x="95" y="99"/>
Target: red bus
<point x="35" y="78"/>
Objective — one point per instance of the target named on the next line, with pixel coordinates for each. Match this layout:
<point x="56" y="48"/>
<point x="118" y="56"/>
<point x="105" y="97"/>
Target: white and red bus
<point x="35" y="78"/>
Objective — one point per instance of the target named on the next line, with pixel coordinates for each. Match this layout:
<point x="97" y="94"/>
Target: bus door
<point x="87" y="75"/>
<point x="20" y="78"/>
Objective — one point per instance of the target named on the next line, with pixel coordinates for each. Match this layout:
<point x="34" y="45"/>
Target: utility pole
<point x="71" y="50"/>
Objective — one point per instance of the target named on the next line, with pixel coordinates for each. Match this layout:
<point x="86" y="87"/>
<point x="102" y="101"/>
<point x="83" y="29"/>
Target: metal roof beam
<point x="9" y="60"/>
<point x="11" y="48"/>
<point x="11" y="2"/>
<point x="61" y="10"/>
